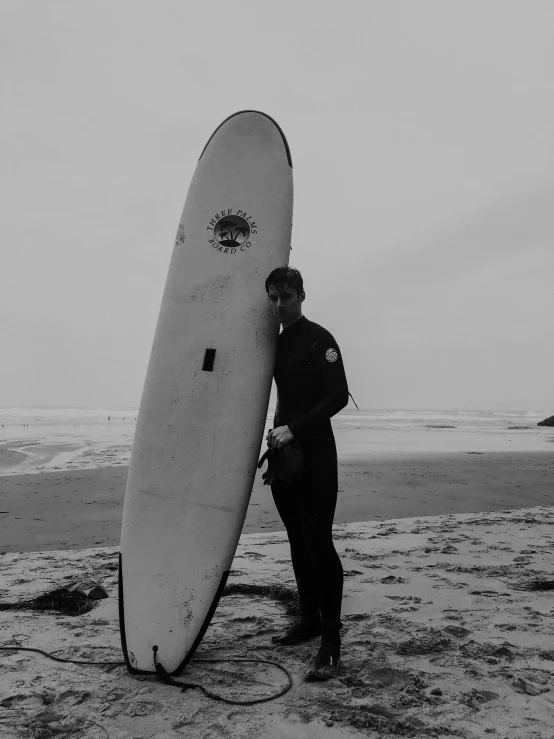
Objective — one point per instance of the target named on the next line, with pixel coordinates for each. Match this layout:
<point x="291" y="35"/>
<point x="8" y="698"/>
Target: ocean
<point x="41" y="439"/>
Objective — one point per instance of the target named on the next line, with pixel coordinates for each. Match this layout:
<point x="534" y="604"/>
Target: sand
<point x="82" y="508"/>
<point x="448" y="631"/>
<point x="448" y="610"/>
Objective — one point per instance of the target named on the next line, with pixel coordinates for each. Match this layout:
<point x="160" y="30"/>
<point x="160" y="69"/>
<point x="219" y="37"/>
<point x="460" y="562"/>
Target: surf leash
<point x="166" y="677"/>
<point x="57" y="659"/>
<point x="168" y="680"/>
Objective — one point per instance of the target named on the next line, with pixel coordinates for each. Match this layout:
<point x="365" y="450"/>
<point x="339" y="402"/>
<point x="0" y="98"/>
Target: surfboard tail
<point x="129" y="657"/>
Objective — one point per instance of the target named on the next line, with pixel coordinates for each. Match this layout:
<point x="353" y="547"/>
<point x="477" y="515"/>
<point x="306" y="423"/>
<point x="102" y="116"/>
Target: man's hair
<point x="285" y="276"/>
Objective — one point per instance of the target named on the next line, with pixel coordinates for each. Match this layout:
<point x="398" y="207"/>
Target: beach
<point x="76" y="509"/>
<point x="354" y="232"/>
<point x="63" y="471"/>
<point x="445" y="534"/>
<point x="448" y="626"/>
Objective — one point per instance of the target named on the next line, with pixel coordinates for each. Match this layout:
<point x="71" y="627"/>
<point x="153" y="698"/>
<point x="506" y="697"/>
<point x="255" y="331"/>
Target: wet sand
<point x="77" y="509"/>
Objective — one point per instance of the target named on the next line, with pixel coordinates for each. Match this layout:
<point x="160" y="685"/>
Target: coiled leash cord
<point x="166" y="677"/>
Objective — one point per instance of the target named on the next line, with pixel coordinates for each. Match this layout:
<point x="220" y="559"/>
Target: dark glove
<point x="286" y="464"/>
<point x="272" y="457"/>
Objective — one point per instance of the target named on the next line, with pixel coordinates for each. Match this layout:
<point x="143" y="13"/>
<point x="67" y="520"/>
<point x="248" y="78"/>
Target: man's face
<point x="286" y="304"/>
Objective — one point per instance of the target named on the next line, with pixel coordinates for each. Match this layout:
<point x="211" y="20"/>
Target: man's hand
<point x="280" y="436"/>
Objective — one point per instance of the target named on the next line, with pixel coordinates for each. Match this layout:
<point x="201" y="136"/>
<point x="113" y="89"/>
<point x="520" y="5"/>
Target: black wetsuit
<point x="311" y="387"/>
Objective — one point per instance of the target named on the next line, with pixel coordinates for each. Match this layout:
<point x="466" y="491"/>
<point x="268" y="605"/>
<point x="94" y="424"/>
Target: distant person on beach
<point x="311" y="388"/>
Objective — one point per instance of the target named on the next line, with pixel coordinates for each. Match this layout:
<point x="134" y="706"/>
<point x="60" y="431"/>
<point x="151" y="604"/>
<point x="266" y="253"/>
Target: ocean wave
<point x="75" y="438"/>
<point x="66" y="416"/>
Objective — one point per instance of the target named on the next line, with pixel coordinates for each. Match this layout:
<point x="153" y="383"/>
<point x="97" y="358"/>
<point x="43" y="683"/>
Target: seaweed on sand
<point x="537" y="583"/>
<point x="73" y="602"/>
<point x="62" y="600"/>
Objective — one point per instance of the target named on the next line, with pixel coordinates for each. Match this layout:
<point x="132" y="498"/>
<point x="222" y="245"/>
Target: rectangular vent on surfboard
<point x="209" y="356"/>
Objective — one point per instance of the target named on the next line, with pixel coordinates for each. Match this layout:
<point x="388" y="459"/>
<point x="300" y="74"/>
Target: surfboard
<point x="204" y="404"/>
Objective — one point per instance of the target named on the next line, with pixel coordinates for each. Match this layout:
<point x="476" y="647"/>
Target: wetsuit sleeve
<point x="330" y="374"/>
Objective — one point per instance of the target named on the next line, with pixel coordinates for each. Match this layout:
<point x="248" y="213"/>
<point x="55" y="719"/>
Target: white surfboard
<point x="204" y="404"/>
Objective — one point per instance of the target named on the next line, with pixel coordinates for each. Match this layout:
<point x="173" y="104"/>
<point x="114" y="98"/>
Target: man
<point x="311" y="388"/>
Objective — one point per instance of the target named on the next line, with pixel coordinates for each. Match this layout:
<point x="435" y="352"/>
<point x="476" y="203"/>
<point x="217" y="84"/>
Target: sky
<point x="421" y="138"/>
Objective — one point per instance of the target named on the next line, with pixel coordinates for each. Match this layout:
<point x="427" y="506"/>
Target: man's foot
<point x="299" y="632"/>
<point x="326" y="663"/>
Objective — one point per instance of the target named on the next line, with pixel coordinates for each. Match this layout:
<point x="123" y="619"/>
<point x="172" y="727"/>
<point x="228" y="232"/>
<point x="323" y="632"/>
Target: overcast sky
<point x="421" y="134"/>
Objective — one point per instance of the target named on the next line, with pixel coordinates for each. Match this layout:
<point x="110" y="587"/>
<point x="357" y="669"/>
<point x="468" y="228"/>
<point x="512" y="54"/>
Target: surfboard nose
<point x="249" y="125"/>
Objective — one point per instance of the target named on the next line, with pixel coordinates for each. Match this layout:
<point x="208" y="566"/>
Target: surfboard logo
<point x="232" y="230"/>
<point x="331" y="355"/>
